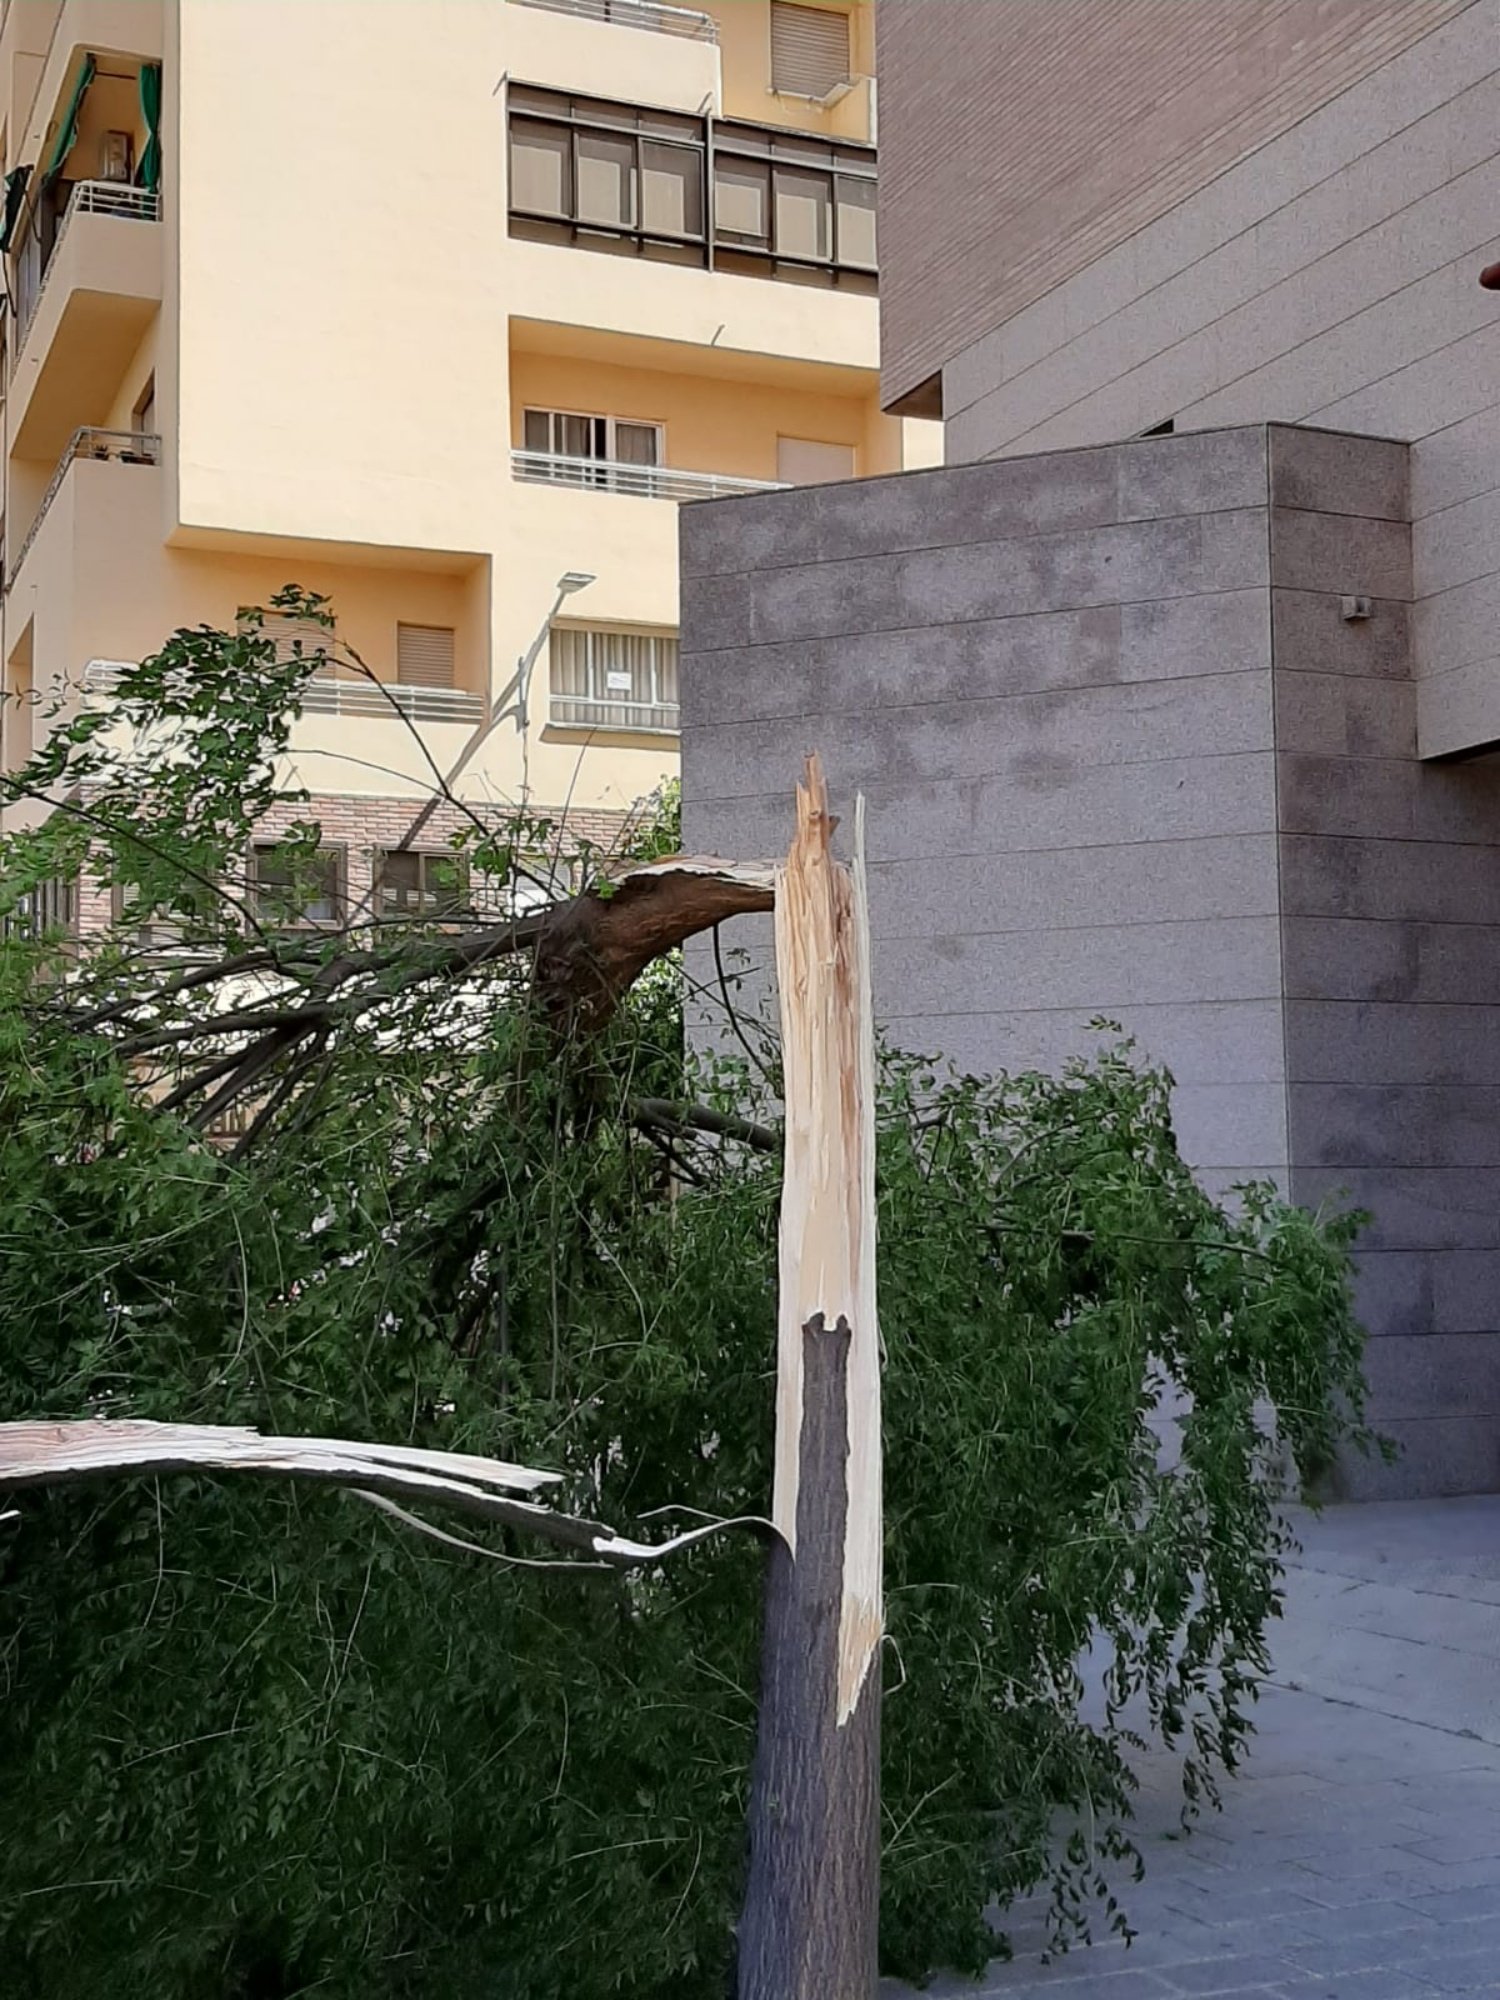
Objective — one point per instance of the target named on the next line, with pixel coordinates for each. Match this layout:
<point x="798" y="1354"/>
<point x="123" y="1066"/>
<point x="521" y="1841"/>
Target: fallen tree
<point x="257" y="1741"/>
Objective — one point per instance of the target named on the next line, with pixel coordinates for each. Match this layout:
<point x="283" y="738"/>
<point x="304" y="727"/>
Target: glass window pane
<point x="803" y="215"/>
<point x="398" y="882"/>
<point x="637" y="444"/>
<point x="537" y="431"/>
<point x="539" y="169"/>
<point x="579" y="437"/>
<point x="857" y="223"/>
<point x="671" y="191"/>
<point x="606" y="180"/>
<point x="741" y="199"/>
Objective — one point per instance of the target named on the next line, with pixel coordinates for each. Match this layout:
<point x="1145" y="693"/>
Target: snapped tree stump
<point x="808" y="1930"/>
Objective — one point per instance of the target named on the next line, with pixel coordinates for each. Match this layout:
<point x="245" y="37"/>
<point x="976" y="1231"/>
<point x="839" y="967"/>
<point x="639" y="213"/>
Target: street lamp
<point x="519" y="685"/>
<point x="571" y="581"/>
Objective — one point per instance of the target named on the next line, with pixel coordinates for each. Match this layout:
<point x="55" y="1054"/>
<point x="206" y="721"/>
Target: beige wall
<point x="1331" y="279"/>
<point x="708" y="426"/>
<point x="347" y="333"/>
<point x="1020" y="143"/>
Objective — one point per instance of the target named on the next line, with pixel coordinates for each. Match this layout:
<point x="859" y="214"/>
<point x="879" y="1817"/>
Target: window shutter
<point x="424" y="655"/>
<point x="809" y="49"/>
<point x="296" y="638"/>
<point x="808" y="462"/>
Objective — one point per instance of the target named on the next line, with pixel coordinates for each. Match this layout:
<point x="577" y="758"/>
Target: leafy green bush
<point x="256" y="1742"/>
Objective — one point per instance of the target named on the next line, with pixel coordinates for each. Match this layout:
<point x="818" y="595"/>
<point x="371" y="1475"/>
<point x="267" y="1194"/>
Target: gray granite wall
<point x="1390" y="893"/>
<point x="1123" y="755"/>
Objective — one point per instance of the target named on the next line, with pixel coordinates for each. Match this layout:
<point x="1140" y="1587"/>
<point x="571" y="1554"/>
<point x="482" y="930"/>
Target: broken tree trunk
<point x="809" y="1926"/>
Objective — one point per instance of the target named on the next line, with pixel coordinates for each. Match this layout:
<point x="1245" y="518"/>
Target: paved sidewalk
<point x="1359" y="1857"/>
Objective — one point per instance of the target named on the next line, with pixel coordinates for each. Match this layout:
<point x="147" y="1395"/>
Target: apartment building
<point x="443" y="310"/>
<point x="1175" y="693"/>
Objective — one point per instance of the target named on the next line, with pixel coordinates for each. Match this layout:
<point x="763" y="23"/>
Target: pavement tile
<point x="1357" y="1857"/>
<point x="1359" y="1954"/>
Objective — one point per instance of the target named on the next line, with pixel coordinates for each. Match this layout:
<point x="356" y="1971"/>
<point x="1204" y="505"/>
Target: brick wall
<point x="363" y="827"/>
<point x="1020" y="142"/>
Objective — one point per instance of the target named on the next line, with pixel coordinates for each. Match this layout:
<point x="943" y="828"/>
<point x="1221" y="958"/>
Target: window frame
<point x="338" y="852"/>
<point x="794" y="154"/>
<point x="594" y="724"/>
<point x="837" y="162"/>
<point x="564" y="117"/>
<point x="463" y="896"/>
<point x="611" y="426"/>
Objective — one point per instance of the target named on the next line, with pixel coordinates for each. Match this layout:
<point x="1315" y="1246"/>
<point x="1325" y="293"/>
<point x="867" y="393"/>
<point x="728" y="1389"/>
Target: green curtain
<point x="67" y="132"/>
<point x="148" y="173"/>
<point x="15" y="198"/>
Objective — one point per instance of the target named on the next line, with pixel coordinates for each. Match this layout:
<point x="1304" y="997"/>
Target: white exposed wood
<point x="31" y="1453"/>
<point x="827" y="1241"/>
<point x="751" y="874"/>
<point x="49" y="1454"/>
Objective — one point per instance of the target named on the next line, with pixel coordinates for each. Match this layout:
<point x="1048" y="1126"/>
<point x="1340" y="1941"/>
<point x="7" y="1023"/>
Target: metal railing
<point x="645" y="482"/>
<point x="633" y="718"/>
<point x="684" y="21"/>
<point x="117" y="198"/>
<point x="328" y="694"/>
<point x="125" y="447"/>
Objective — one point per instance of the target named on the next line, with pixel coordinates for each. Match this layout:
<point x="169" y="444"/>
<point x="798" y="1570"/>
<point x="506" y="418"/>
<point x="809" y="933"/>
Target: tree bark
<point x="809" y="1928"/>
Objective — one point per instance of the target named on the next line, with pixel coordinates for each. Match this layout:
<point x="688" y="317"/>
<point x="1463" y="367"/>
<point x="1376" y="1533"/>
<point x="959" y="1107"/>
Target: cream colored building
<point x="427" y="305"/>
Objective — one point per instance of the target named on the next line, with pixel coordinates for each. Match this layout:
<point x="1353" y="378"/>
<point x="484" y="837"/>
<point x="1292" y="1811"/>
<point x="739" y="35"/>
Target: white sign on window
<point x="618" y="683"/>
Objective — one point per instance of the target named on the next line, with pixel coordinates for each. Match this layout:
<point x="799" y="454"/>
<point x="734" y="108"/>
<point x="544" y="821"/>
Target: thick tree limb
<point x="585" y="954"/>
<point x="660" y="1114"/>
<point x="58" y="1454"/>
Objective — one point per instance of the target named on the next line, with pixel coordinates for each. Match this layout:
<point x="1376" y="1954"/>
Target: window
<point x="605" y="679"/>
<point x="424" y="655"/>
<point x="288" y="889"/>
<point x="293" y="638"/>
<point x="809" y="50"/>
<point x="626" y="178"/>
<point x="154" y="933"/>
<point x="614" y="442"/>
<point x="806" y="462"/>
<point x="625" y="169"/>
<point x="414" y="882"/>
<point x="50" y="909"/>
<point x="793" y="199"/>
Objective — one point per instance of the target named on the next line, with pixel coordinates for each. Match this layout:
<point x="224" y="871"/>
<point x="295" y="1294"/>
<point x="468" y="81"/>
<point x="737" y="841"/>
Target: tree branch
<point x="58" y="1454"/>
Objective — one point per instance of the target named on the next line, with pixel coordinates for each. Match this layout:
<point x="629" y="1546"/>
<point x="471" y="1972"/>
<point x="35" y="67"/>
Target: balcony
<point x="78" y="329"/>
<point x="642" y="482"/>
<point x="117" y="198"/>
<point x="331" y="694"/>
<point x="122" y="447"/>
<point x="685" y="22"/>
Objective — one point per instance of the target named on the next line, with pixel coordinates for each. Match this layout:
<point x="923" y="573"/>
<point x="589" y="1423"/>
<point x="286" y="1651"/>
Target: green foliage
<point x="256" y="1742"/>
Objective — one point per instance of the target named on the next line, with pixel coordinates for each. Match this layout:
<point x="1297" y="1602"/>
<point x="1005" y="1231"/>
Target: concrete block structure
<point x="1136" y="726"/>
<point x="1176" y="695"/>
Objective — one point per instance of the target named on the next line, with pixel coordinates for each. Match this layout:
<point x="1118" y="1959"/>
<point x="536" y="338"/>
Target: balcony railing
<point x="327" y="694"/>
<point x="645" y="482"/>
<point x="686" y="22"/>
<point x="125" y="447"/>
<point x="118" y="198"/>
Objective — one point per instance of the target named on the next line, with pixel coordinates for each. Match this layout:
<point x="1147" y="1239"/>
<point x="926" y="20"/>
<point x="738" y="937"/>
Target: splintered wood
<point x="809" y="1926"/>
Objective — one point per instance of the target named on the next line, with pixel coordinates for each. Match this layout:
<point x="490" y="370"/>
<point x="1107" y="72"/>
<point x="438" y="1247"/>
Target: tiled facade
<point x="1020" y="144"/>
<point x="1136" y="728"/>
